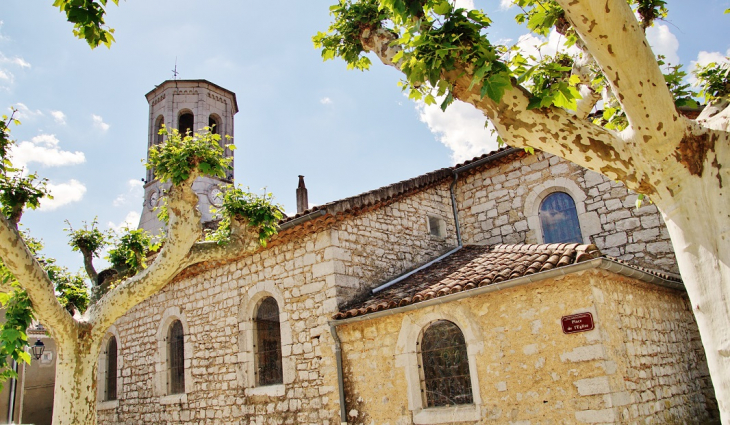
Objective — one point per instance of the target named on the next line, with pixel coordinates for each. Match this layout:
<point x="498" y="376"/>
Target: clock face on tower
<point x="154" y="199"/>
<point x="215" y="195"/>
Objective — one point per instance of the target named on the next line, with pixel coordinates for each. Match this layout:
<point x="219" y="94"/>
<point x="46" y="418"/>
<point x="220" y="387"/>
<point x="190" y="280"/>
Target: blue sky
<point x="85" y="116"/>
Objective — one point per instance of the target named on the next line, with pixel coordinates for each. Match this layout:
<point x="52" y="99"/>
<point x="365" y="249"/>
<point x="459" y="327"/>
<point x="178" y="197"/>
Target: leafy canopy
<point x="180" y="156"/>
<point x="258" y="211"/>
<point x="437" y="43"/>
<point x="88" y="19"/>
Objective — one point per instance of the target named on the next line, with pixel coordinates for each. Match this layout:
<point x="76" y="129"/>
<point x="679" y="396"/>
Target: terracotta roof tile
<point x="471" y="267"/>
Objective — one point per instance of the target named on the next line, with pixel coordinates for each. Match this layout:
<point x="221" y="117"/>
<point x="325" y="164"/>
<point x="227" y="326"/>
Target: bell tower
<point x="187" y="105"/>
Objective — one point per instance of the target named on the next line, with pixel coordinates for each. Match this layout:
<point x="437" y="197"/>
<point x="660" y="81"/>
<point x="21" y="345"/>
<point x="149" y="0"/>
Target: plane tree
<point x="60" y="303"/>
<point x="641" y="138"/>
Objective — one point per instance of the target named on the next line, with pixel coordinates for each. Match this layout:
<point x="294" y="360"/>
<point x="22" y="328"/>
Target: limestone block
<point x="646" y="235"/>
<point x="596" y="416"/>
<point x="592" y="178"/>
<point x="592" y="386"/>
<point x="616" y="239"/>
<point x="628" y="224"/>
<point x="583" y="354"/>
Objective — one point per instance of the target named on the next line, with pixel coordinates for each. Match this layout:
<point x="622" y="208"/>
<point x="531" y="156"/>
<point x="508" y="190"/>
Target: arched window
<point x="214" y="124"/>
<point x="186" y="122"/>
<point x="268" y="343"/>
<point x="559" y="219"/>
<point x="158" y="126"/>
<point x="176" y="358"/>
<point x="445" y="365"/>
<point x="110" y="384"/>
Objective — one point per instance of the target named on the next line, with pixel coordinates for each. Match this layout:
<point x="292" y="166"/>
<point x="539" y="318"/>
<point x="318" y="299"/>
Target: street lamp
<point x="38" y="348"/>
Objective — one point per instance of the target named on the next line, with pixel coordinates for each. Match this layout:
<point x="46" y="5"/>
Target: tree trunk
<point x="74" y="398"/>
<point x="700" y="240"/>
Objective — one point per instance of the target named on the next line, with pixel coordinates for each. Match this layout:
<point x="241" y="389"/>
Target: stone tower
<point x="187" y="104"/>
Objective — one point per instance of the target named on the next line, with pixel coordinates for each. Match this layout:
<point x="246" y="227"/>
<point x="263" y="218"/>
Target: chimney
<point x="302" y="199"/>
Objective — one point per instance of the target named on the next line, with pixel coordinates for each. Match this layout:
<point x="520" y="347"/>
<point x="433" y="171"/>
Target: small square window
<point x="436" y="227"/>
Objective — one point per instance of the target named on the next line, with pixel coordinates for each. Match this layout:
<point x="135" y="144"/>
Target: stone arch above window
<point x="559" y="219"/>
<point x="409" y="356"/>
<point x="589" y="223"/>
<point x="186" y="121"/>
<point x="264" y="294"/>
<point x="173" y="377"/>
<point x="445" y="365"/>
<point x="109" y="377"/>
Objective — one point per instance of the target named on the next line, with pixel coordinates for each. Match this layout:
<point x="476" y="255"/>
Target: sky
<point x="84" y="115"/>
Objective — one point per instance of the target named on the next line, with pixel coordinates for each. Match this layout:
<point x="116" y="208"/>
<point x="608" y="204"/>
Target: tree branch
<point x="552" y="130"/>
<point x="184" y="229"/>
<point x="89" y="266"/>
<point x="31" y="277"/>
<point x="617" y="42"/>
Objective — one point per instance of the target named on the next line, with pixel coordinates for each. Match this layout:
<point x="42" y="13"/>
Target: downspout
<point x="340" y="377"/>
<point x="11" y="397"/>
<point x="453" y="207"/>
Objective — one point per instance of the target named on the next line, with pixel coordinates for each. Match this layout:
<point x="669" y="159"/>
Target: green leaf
<point x="442" y="8"/>
<point x="495" y="86"/>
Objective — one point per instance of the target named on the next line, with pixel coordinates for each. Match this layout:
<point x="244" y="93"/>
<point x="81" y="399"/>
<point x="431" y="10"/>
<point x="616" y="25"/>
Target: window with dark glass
<point x="186" y="122"/>
<point x="111" y="370"/>
<point x="268" y="344"/>
<point x="176" y="358"/>
<point x="559" y="219"/>
<point x="445" y="365"/>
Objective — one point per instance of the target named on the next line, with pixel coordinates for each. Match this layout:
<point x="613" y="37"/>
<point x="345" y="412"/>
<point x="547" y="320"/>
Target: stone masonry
<point x="320" y="264"/>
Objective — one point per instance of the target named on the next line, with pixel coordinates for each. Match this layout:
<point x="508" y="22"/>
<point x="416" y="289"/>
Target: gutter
<point x="340" y="378"/>
<point x="597" y="263"/>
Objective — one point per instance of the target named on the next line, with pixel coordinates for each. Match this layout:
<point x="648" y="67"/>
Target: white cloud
<point x="63" y="194"/>
<point x="663" y="42"/>
<point x="59" y="117"/>
<point x="505" y="4"/>
<point x="537" y="46"/>
<point x="134" y="193"/>
<point x="466" y="4"/>
<point x="704" y="58"/>
<point x="99" y="123"/>
<point x="25" y="112"/>
<point x="131" y="221"/>
<point x="18" y="61"/>
<point x="460" y="128"/>
<point x="6" y="75"/>
<point x="45" y="150"/>
<point x="325" y="101"/>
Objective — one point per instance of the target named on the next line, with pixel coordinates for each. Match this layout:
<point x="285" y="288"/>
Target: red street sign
<point x="581" y="322"/>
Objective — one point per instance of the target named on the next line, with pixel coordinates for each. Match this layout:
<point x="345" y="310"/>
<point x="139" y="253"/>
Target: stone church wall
<point x="631" y="368"/>
<point x="380" y="244"/>
<point x="216" y="308"/>
<point x="500" y="205"/>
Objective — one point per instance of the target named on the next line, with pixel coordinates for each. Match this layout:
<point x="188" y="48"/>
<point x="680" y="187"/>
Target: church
<point x="513" y="288"/>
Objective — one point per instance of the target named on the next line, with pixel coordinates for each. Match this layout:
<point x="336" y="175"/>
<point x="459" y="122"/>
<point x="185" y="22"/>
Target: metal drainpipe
<point x="453" y="207"/>
<point x="11" y="396"/>
<point x="340" y="377"/>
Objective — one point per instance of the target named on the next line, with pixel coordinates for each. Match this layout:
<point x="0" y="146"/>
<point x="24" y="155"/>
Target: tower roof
<point x="194" y="83"/>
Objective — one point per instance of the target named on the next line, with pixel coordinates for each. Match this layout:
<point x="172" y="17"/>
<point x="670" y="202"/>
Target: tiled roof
<point x="471" y="267"/>
<point x="396" y="190"/>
